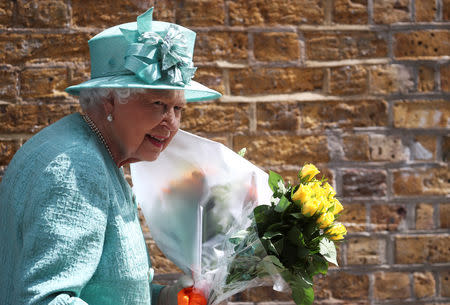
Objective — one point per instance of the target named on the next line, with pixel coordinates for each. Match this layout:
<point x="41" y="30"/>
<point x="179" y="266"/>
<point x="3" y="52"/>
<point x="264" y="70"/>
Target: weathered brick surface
<point x="275" y="80"/>
<point x="31" y="118"/>
<point x="423" y="148"/>
<point x="257" y="12"/>
<point x="388" y="79"/>
<point x="228" y="46"/>
<point x="216" y="118"/>
<point x="47" y="82"/>
<point x="391" y="11"/>
<point x="445" y="78"/>
<point x="422" y="114"/>
<point x="7" y="150"/>
<point x="446" y="10"/>
<point x="424" y="284"/>
<point x="446" y="148"/>
<point x="43" y="13"/>
<point x="280" y="150"/>
<point x="201" y="13"/>
<point x="362" y="113"/>
<point x="345" y="45"/>
<point x="391" y="285"/>
<point x="261" y="294"/>
<point x="426" y="79"/>
<point x="103" y="13"/>
<point x="356" y="147"/>
<point x="348" y="80"/>
<point x="35" y="48"/>
<point x="354" y="217"/>
<point x="421" y="181"/>
<point x="9" y="79"/>
<point x="424" y="216"/>
<point x="388" y="217"/>
<point x="359" y="182"/>
<point x="386" y="148"/>
<point x="350" y="12"/>
<point x="425" y="10"/>
<point x="212" y="78"/>
<point x="6" y="13"/>
<point x="444" y="212"/>
<point x="421" y="44"/>
<point x="366" y="251"/>
<point x="445" y="283"/>
<point x="348" y="286"/>
<point x="278" y="116"/>
<point x="276" y="46"/>
<point x="422" y="249"/>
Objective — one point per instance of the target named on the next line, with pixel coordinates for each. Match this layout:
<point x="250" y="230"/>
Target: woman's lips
<point x="157" y="141"/>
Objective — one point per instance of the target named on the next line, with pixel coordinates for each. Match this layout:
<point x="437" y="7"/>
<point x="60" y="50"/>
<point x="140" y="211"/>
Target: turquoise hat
<point x="145" y="54"/>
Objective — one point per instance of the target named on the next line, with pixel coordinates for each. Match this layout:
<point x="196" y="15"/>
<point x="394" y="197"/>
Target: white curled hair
<point x="94" y="96"/>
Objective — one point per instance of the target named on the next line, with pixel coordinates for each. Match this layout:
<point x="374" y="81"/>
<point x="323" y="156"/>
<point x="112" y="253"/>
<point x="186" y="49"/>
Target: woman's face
<point x="144" y="125"/>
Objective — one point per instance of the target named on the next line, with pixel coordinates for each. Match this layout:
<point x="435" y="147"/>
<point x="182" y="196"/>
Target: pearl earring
<point x="109" y="117"/>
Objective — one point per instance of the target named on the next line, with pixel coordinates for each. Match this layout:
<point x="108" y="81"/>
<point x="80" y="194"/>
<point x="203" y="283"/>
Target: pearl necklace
<point x="94" y="128"/>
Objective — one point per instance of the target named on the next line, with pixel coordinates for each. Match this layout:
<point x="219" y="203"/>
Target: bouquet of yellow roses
<point x="296" y="235"/>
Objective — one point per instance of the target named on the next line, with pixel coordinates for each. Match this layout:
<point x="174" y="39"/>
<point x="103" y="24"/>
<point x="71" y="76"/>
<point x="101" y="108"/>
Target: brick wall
<point x="359" y="87"/>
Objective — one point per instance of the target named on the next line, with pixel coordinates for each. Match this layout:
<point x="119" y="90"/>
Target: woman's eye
<point x="157" y="103"/>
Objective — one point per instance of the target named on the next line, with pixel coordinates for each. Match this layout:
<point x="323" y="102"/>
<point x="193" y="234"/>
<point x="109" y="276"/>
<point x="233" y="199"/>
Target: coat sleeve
<point x="63" y="229"/>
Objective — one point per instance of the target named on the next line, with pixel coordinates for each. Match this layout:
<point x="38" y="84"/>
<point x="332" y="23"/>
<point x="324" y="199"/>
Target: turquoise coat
<point x="70" y="232"/>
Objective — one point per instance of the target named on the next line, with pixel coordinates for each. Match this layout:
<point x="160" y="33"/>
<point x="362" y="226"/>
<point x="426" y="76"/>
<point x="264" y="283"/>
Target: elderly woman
<point x="70" y="229"/>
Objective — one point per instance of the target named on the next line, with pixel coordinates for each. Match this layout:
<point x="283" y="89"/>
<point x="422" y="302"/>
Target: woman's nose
<point x="170" y="120"/>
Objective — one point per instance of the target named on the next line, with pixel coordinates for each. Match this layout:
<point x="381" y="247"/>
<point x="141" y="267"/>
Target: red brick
<point x="422" y="114"/>
<point x="332" y="45"/>
<point x="445" y="78"/>
<point x="350" y="11"/>
<point x="354" y="217"/>
<point x="422" y="249"/>
<point x="36" y="48"/>
<point x="276" y="46"/>
<point x="363" y="113"/>
<point x="31" y="118"/>
<point x="421" y="44"/>
<point x="388" y="217"/>
<point x="7" y="150"/>
<point x="201" y="13"/>
<point x="216" y="117"/>
<point x="274" y="80"/>
<point x="43" y="13"/>
<point x="258" y="12"/>
<point x="391" y="11"/>
<point x="421" y="181"/>
<point x="227" y="46"/>
<point x="6" y="13"/>
<point x="275" y="150"/>
<point x="425" y="10"/>
<point x="47" y="82"/>
<point x="366" y="251"/>
<point x="364" y="182"/>
<point x="391" y="285"/>
<point x="348" y="80"/>
<point x="104" y="13"/>
<point x="278" y="116"/>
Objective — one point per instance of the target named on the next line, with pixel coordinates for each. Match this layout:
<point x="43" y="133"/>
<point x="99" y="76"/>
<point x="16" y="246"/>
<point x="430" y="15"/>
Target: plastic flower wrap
<point x="215" y="215"/>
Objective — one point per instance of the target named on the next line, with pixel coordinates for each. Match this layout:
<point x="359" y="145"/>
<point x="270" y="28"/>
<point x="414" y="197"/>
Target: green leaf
<point x="328" y="250"/>
<point x="297" y="215"/>
<point x="242" y="152"/>
<point x="282" y="205"/>
<point x="270" y="235"/>
<point x="318" y="265"/>
<point x="279" y="245"/>
<point x="273" y="181"/>
<point x="238" y="237"/>
<point x="302" y="295"/>
<point x="295" y="236"/>
<point x="275" y="261"/>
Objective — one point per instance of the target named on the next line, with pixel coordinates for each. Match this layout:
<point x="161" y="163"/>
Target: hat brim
<point x="194" y="91"/>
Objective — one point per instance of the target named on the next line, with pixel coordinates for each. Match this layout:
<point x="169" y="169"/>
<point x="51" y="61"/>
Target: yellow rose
<point x="337" y="231"/>
<point x="329" y="190"/>
<point x="310" y="207"/>
<point x="303" y="193"/>
<point x="337" y="206"/>
<point x="309" y="170"/>
<point x="325" y="220"/>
